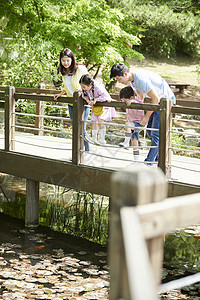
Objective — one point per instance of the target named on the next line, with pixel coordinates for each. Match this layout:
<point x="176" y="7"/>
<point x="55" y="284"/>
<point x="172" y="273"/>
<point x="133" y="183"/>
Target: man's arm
<point x="154" y="100"/>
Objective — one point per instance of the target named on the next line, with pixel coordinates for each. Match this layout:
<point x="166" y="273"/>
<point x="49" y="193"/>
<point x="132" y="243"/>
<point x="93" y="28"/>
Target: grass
<point x="180" y="69"/>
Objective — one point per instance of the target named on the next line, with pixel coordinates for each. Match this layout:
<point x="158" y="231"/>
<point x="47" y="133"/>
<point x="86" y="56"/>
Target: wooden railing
<point x="74" y="174"/>
<point x="140" y="216"/>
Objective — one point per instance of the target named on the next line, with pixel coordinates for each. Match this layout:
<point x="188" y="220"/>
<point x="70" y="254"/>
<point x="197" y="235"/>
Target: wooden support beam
<point x="39" y="121"/>
<point x="78" y="131"/>
<point x="165" y="138"/>
<point x="83" y="178"/>
<point x="32" y="203"/>
<point x="9" y="118"/>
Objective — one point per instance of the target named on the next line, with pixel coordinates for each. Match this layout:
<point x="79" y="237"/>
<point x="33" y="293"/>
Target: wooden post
<point x="78" y="130"/>
<point x="165" y="139"/>
<point x="32" y="203"/>
<point x="131" y="187"/>
<point x="9" y="118"/>
<point x="39" y="121"/>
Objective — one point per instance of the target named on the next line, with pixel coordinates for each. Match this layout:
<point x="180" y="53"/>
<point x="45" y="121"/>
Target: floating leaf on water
<point x="3" y="263"/>
<point x="85" y="263"/>
<point x="91" y="272"/>
<point x="103" y="272"/>
<point x="101" y="253"/>
<point x="6" y="274"/>
<point x="44" y="273"/>
<point x="10" y="252"/>
<point x="102" y="261"/>
<point x="31" y="279"/>
<point x="22" y="256"/>
<point x="82" y="252"/>
<point x="49" y="291"/>
<point x="103" y="294"/>
<point x="42" y="280"/>
<point x="19" y="277"/>
<point x="71" y="277"/>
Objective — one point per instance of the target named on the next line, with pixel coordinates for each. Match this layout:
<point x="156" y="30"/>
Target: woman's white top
<point x="68" y="84"/>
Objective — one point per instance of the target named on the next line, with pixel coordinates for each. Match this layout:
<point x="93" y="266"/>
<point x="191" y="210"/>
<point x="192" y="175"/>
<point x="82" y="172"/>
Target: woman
<point x="71" y="74"/>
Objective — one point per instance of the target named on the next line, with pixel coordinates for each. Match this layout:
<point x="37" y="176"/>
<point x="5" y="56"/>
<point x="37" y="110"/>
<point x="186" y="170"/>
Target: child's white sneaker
<point x="94" y="141"/>
<point x="133" y="164"/>
<point x="124" y="144"/>
<point x="102" y="141"/>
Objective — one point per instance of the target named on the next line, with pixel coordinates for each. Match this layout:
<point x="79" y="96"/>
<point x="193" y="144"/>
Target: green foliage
<point x="198" y="72"/>
<point x="34" y="63"/>
<point x="83" y="214"/>
<point x="178" y="143"/>
<point x="166" y="33"/>
<point x="181" y="253"/>
<point x="91" y="29"/>
<point x="166" y="28"/>
<point x="192" y="6"/>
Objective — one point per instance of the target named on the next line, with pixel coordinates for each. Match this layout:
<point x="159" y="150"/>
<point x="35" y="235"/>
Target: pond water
<point x="86" y="216"/>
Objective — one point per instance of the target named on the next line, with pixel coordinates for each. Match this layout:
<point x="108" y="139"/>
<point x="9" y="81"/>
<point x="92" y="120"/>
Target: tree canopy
<point x="99" y="33"/>
<point x="91" y="29"/>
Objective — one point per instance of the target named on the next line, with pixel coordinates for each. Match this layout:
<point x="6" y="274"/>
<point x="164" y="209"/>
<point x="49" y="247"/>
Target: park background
<point x="162" y="36"/>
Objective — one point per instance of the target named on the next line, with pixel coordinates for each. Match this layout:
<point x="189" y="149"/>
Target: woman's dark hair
<point x="87" y="80"/>
<point x="127" y="92"/>
<point x="72" y="69"/>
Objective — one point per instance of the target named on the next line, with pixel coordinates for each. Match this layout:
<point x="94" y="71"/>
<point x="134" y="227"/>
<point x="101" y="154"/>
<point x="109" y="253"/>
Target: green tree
<point x="91" y="29"/>
<point x="164" y="32"/>
<point x="176" y="5"/>
<point x="32" y="64"/>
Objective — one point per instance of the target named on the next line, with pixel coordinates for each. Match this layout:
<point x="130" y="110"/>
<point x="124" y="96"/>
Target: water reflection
<point x="86" y="215"/>
<point x="65" y="210"/>
<point x="182" y="251"/>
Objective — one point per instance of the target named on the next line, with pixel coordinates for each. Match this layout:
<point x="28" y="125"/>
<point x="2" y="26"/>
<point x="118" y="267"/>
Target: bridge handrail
<point x="140" y="216"/>
<point x="181" y="102"/>
<point x="165" y="108"/>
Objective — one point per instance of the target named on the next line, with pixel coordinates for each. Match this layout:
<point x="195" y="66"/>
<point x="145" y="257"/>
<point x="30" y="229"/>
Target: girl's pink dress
<point x="102" y="95"/>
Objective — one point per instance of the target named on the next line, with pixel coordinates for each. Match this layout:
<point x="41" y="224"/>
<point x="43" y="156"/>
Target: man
<point x="153" y="85"/>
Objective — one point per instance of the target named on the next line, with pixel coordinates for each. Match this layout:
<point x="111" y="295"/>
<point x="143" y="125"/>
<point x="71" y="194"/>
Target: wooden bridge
<point x="47" y="159"/>
<point x="137" y="225"/>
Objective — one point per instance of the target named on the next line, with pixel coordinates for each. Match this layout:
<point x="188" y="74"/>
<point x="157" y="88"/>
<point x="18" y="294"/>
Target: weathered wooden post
<point x="9" y="118"/>
<point x="32" y="203"/>
<point x="39" y="121"/>
<point x="78" y="129"/>
<point x="130" y="278"/>
<point x="165" y="139"/>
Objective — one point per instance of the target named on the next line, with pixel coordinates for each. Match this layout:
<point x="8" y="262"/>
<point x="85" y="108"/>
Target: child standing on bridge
<point x="93" y="91"/>
<point x="134" y="117"/>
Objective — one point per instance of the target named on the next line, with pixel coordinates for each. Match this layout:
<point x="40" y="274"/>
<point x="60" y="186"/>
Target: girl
<point x="93" y="91"/>
<point x="71" y="74"/>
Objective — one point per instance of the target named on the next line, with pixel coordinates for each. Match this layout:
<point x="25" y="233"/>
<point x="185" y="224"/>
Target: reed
<point x="78" y="213"/>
